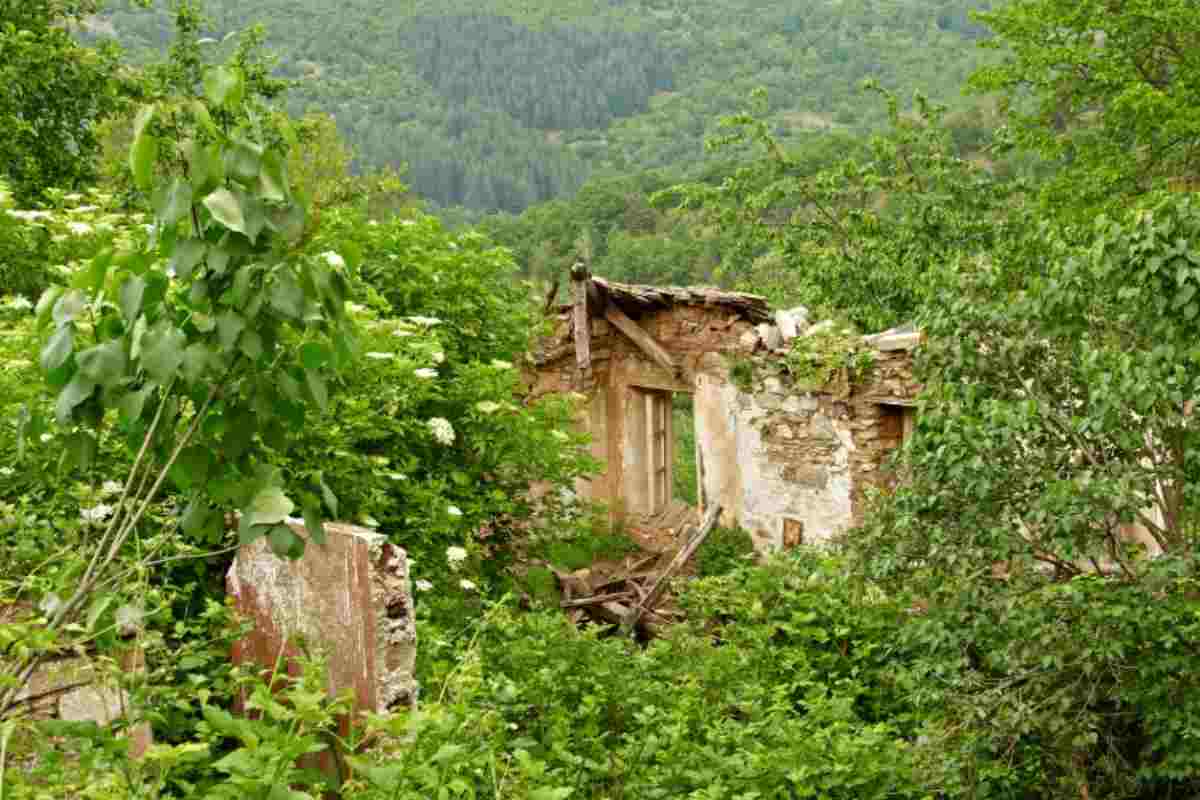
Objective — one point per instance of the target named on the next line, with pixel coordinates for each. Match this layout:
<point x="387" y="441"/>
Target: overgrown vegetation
<point x="835" y="355"/>
<point x="184" y="329"/>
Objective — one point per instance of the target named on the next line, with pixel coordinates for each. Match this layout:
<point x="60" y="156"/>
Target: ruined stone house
<point x="787" y="462"/>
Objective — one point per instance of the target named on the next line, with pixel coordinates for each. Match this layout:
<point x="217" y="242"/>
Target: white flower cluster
<point x="455" y="556"/>
<point x="425" y="374"/>
<point x="427" y="322"/>
<point x="442" y="430"/>
<point x="30" y="216"/>
<point x="96" y="514"/>
<point x="333" y="259"/>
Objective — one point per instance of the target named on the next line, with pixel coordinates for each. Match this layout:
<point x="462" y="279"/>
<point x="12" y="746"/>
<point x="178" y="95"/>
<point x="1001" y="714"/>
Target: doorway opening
<point x="663" y="473"/>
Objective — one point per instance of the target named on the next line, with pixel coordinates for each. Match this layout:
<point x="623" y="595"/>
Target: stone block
<point x="799" y="404"/>
<point x="792" y="322"/>
<point x="73" y="689"/>
<point x="348" y="598"/>
<point x="770" y="336"/>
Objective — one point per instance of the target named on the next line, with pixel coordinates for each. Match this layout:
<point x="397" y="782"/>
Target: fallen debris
<point x="634" y="597"/>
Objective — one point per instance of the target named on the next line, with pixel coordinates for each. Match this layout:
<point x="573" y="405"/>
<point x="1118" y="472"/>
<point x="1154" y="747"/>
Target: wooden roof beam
<point x="638" y="335"/>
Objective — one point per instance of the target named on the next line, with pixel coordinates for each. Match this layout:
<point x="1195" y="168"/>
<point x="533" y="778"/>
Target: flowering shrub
<point x="430" y="438"/>
<point x="46" y="245"/>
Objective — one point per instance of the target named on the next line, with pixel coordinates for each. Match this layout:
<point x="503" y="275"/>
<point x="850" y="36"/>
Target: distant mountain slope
<point x="497" y="104"/>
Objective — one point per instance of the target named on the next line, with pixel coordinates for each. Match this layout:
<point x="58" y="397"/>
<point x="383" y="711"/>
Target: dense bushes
<point x="430" y="437"/>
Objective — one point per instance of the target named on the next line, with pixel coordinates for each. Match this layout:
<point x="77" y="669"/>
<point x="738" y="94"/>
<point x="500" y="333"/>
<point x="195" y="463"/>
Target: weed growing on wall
<point x="827" y="357"/>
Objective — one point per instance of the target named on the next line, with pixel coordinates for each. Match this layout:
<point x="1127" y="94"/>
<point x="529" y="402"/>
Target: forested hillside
<point x="499" y="104"/>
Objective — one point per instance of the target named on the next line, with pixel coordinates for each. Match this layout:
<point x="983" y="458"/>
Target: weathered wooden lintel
<point x="638" y="335"/>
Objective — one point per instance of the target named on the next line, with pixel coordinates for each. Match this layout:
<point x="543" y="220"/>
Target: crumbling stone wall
<point x="785" y="462"/>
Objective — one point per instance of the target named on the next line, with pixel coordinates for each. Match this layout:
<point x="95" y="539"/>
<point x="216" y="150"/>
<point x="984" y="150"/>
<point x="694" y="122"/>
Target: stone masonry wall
<point x="787" y="463"/>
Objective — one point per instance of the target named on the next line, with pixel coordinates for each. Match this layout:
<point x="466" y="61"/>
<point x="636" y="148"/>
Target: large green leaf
<point x="103" y="364"/>
<point x="239" y="432"/>
<point x="226" y="208"/>
<point x="92" y="278"/>
<point x="58" y="348"/>
<point x="218" y="259"/>
<point x="272" y="179"/>
<point x="224" y="86"/>
<point x="192" y="467"/>
<point x="314" y="355"/>
<point x="173" y="202"/>
<point x="288" y="220"/>
<point x="69" y="307"/>
<point x="255" y="215"/>
<point x="144" y="151"/>
<point x="252" y="345"/>
<point x="243" y="161"/>
<point x="269" y="507"/>
<point x="286" y="295"/>
<point x="285" y="543"/>
<point x="142" y="157"/>
<point x="46" y="304"/>
<point x="79" y="449"/>
<point x="187" y="255"/>
<point x="198" y="360"/>
<point x="206" y="169"/>
<point x="162" y="352"/>
<point x="201" y="521"/>
<point x="74" y="393"/>
<point x="130" y="297"/>
<point x="132" y="404"/>
<point x="316" y="386"/>
<point x="327" y="495"/>
<point x="229" y="327"/>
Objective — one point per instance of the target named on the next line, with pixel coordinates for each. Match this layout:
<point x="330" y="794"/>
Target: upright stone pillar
<point x="349" y="598"/>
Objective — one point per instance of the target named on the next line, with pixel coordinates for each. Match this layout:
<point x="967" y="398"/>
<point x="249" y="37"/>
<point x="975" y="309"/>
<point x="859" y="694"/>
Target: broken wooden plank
<point x="617" y="613"/>
<point x="659" y="586"/>
<point x="571" y="585"/>
<point x="583" y="329"/>
<point x="638" y="335"/>
<point x="595" y="600"/>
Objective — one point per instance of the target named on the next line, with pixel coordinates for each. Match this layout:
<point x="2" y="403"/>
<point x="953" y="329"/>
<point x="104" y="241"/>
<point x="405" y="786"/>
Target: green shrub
<point x="779" y="686"/>
<point x="430" y="439"/>
<point x="725" y="550"/>
<point x="37" y="246"/>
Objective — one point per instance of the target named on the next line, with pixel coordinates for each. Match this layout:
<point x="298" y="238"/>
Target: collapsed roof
<point x="636" y="300"/>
